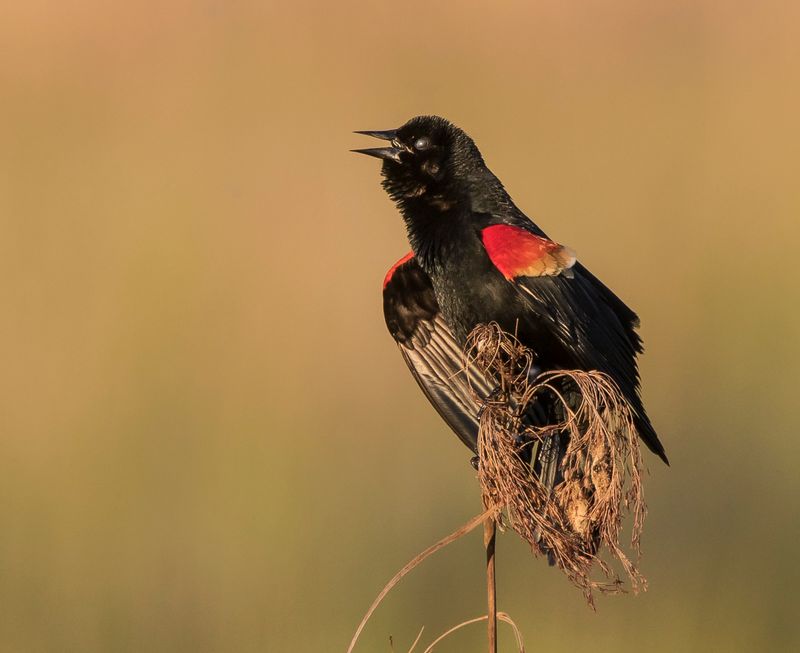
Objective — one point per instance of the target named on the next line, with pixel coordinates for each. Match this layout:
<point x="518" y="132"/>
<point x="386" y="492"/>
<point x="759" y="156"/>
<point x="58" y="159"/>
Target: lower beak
<point x="386" y="153"/>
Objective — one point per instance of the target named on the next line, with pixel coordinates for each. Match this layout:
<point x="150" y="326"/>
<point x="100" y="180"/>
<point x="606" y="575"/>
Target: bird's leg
<point x="492" y="396"/>
<point x="534" y="416"/>
<point x="533" y="373"/>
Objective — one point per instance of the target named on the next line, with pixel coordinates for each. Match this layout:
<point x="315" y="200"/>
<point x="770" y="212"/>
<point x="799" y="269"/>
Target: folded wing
<point x="431" y="351"/>
<point x="593" y="328"/>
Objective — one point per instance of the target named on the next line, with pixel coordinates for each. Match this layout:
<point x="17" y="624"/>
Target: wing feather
<point x="431" y="351"/>
<point x="593" y="328"/>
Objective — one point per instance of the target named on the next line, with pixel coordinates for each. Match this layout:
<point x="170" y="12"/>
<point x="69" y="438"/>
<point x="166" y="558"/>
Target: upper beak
<point x="387" y="153"/>
<point x="388" y="135"/>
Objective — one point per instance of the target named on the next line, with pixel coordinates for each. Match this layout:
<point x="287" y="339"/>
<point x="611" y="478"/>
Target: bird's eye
<point x="422" y="143"/>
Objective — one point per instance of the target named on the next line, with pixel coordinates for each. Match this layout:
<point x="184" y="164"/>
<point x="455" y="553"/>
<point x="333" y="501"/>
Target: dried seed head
<point x="593" y="481"/>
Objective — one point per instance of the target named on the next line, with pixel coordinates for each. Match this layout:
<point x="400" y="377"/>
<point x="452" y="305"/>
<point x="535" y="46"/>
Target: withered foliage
<point x="573" y="509"/>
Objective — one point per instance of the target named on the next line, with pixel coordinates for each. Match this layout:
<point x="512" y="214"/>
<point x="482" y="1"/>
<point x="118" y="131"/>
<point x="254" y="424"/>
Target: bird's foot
<point x="524" y="447"/>
<point x="488" y="399"/>
<point x="535" y="415"/>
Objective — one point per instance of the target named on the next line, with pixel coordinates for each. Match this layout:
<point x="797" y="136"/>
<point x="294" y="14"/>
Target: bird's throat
<point x="435" y="234"/>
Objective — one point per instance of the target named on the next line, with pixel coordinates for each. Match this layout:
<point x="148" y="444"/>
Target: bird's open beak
<point x="386" y="153"/>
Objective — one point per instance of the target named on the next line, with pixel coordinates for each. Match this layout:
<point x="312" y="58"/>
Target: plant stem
<point x="487" y="515"/>
<point x="489" y="534"/>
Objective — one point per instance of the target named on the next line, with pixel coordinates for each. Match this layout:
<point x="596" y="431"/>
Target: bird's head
<point x="428" y="162"/>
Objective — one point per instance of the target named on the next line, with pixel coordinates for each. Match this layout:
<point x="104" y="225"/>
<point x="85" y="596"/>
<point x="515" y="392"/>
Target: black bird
<point x="476" y="258"/>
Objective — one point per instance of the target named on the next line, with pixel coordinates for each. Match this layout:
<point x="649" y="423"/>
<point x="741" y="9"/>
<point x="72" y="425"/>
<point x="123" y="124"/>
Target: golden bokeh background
<point x="209" y="441"/>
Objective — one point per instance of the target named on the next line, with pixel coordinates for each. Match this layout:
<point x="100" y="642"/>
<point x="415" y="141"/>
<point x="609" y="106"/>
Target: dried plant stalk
<point x="489" y="513"/>
<point x="502" y="616"/>
<point x="597" y="476"/>
<point x="489" y="540"/>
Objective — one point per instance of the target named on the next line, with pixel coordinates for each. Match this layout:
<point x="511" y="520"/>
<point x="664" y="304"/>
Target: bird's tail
<point x="648" y="434"/>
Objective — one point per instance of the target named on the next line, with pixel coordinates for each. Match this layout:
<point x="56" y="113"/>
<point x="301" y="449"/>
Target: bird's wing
<point x="584" y="315"/>
<point x="587" y="319"/>
<point x="431" y="351"/>
<point x="517" y="252"/>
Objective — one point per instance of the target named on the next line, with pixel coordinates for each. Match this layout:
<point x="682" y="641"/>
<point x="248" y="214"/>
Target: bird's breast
<point x="471" y="291"/>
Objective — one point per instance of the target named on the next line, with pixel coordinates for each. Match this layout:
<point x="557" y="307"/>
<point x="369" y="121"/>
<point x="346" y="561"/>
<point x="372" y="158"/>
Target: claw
<point x="535" y="416"/>
<point x="524" y="446"/>
<point x="494" y="394"/>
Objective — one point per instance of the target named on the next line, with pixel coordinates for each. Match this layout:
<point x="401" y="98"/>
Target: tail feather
<point x="648" y="435"/>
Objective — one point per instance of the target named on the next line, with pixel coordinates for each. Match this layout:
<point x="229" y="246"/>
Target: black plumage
<point x="477" y="259"/>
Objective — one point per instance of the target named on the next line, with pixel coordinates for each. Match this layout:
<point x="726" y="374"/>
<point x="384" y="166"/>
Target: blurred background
<point x="209" y="441"/>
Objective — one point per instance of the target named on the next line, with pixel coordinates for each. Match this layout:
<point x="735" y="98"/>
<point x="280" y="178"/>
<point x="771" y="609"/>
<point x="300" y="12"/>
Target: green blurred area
<point x="209" y="441"/>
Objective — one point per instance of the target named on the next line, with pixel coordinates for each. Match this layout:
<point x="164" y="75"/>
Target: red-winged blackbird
<point x="477" y="259"/>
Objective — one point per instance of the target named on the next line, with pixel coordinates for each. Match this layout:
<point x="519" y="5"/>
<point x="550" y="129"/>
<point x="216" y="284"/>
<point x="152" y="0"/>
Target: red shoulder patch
<point x="393" y="269"/>
<point x="519" y="253"/>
